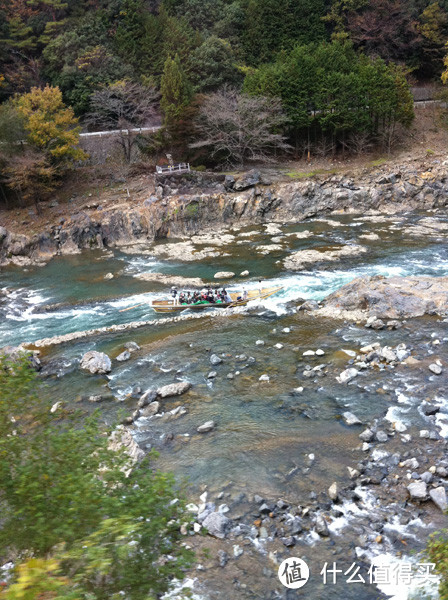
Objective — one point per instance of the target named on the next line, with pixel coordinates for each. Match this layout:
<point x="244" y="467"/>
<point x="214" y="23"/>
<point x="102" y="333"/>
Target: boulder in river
<point x="132" y="346"/>
<point x="418" y="490"/>
<point x="347" y="375"/>
<point x="96" y="362"/>
<point x="438" y="496"/>
<point x="435" y="368"/>
<point x="206" y="427"/>
<point x="224" y="275"/>
<point x="215" y="360"/>
<point x="174" y="389"/>
<point x="392" y="297"/>
<point x="350" y="418"/>
<point x="126" y="355"/>
<point x="217" y="525"/>
<point x="321" y="526"/>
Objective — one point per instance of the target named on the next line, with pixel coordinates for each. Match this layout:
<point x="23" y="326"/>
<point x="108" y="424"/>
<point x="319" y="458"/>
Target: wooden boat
<point x="169" y="306"/>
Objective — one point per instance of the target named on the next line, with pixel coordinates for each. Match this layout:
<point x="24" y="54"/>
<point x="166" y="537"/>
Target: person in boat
<point x="245" y="294"/>
<point x="210" y="296"/>
<point x="182" y="298"/>
<point x="174" y="294"/>
<point x="260" y="287"/>
<point x="188" y="299"/>
<point x="227" y="297"/>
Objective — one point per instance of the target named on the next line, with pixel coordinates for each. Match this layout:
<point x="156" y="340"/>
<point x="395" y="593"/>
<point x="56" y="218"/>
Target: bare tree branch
<point x="237" y="128"/>
<point x="123" y="106"/>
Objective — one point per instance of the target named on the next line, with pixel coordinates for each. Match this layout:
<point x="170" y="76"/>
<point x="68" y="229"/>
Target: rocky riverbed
<point x="313" y="424"/>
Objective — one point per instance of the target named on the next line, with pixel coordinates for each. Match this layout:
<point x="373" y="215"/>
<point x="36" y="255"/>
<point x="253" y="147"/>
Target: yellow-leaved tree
<point x="445" y="64"/>
<point x="51" y="126"/>
<point x="51" y="133"/>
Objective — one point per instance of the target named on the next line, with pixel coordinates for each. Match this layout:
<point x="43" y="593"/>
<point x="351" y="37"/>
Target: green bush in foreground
<point x="437" y="551"/>
<point x="64" y="497"/>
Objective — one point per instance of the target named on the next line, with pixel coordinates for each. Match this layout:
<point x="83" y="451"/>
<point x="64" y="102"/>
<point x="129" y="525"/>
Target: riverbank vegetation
<point x="338" y="72"/>
<point x="75" y="521"/>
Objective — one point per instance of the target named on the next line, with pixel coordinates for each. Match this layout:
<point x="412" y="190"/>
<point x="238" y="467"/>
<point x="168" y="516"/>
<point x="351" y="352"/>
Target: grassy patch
<point x="378" y="162"/>
<point x="308" y="174"/>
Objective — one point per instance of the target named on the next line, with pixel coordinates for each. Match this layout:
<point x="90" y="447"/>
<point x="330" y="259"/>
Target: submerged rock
<point x="174" y="389"/>
<point x="96" y="362"/>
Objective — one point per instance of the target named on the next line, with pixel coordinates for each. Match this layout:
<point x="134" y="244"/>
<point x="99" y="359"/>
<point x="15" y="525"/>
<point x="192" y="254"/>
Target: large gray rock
<point x="247" y="180"/>
<point x="3" y="233"/>
<point x="438" y="496"/>
<point x="388" y="354"/>
<point x="96" y="362"/>
<point x="392" y="297"/>
<point x="132" y="346"/>
<point x="224" y="275"/>
<point x="347" y="375"/>
<point x="435" y="368"/>
<point x="174" y="389"/>
<point x="150" y="410"/>
<point x="126" y="355"/>
<point x="418" y="490"/>
<point x="206" y="427"/>
<point x="321" y="526"/>
<point x="147" y="397"/>
<point x="215" y="360"/>
<point x="350" y="418"/>
<point x="217" y="525"/>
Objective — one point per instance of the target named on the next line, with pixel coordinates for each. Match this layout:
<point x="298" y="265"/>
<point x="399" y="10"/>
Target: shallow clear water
<point x="265" y="431"/>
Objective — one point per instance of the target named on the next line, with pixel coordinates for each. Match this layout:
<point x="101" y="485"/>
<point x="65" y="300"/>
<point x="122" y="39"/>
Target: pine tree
<point x="175" y="90"/>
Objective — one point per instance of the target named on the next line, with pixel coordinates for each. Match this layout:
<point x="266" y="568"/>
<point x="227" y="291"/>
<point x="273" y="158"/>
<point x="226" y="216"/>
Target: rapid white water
<point x="24" y="317"/>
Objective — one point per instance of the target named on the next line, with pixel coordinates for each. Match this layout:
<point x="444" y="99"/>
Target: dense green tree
<point x="213" y="65"/>
<point x="329" y="88"/>
<point x="61" y="482"/>
<point x="200" y="14"/>
<point x="146" y="40"/>
<point x="273" y="25"/>
<point x="176" y="91"/>
<point x="433" y="29"/>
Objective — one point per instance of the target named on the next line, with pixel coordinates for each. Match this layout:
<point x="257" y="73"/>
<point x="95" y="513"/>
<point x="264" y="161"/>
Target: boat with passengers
<point x="208" y="298"/>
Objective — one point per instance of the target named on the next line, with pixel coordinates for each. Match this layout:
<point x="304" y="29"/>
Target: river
<point x="266" y="431"/>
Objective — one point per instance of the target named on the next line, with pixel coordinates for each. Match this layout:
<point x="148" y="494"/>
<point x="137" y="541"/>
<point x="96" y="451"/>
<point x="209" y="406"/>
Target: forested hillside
<point x="303" y="75"/>
<point x="81" y="45"/>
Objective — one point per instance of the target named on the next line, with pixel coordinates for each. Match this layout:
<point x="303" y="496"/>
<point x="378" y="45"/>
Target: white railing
<point x="179" y="168"/>
<point x="125" y="132"/>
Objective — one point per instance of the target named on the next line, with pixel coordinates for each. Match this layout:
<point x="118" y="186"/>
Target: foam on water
<point x="394" y="587"/>
<point x="309" y="285"/>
